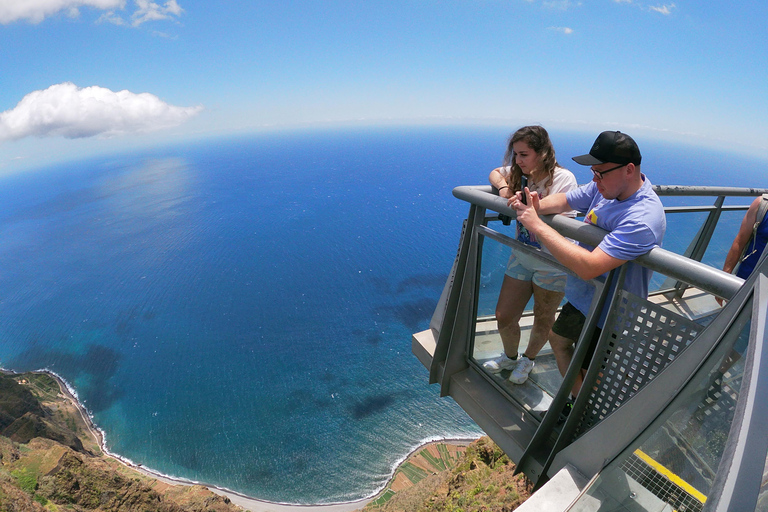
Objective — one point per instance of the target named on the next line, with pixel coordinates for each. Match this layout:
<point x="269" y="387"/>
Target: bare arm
<point x="586" y="264"/>
<point x="497" y="180"/>
<point x="742" y="237"/>
<point x="556" y="203"/>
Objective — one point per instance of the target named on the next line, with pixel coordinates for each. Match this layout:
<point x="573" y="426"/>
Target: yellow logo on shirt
<point x="591" y="217"/>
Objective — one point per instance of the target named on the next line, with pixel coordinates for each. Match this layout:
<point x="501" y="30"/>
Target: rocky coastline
<point x="88" y="441"/>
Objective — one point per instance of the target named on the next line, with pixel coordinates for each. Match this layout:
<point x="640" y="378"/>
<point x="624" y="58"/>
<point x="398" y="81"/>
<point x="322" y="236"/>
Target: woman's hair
<point x="537" y="139"/>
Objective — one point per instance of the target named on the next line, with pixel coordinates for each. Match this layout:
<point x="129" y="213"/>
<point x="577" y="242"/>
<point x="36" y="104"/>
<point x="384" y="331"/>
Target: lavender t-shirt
<point x="636" y="225"/>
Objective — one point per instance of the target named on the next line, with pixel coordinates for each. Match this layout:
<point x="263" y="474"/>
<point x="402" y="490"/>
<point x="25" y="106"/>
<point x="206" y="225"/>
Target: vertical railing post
<point x="455" y="332"/>
<point x="698" y="246"/>
<point x="541" y="445"/>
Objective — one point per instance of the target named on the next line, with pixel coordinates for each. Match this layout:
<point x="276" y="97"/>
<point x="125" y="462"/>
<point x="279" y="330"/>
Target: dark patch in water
<point x="128" y="318"/>
<point x="413" y="314"/>
<point x="187" y="458"/>
<point x="422" y="281"/>
<point x="299" y="462"/>
<point x="372" y="405"/>
<point x="257" y="476"/>
<point x="381" y="285"/>
<point x="296" y="401"/>
<point x="372" y="338"/>
<point x="100" y="363"/>
<point x="300" y="394"/>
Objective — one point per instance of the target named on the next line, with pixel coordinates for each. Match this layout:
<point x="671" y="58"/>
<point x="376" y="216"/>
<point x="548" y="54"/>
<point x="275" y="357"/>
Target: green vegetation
<point x="438" y="464"/>
<point x="446" y="457"/>
<point x="481" y="480"/>
<point x="42" y="385"/>
<point x="385" y="496"/>
<point x="26" y="479"/>
<point x="413" y="473"/>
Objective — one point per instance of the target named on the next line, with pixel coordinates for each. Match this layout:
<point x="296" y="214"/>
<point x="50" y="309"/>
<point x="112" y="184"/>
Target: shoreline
<point x="242" y="500"/>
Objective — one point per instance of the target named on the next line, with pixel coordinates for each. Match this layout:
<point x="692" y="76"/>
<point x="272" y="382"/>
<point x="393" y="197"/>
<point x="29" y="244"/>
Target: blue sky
<point x="79" y="77"/>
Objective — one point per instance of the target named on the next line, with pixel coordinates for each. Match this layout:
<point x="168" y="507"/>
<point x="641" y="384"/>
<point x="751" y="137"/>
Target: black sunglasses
<point x="599" y="174"/>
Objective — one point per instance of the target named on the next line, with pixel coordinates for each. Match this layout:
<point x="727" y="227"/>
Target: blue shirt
<point x="636" y="225"/>
<point x="754" y="250"/>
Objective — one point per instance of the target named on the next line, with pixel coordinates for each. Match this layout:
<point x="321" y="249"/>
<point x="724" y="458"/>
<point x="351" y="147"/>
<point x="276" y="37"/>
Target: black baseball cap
<point x="614" y="147"/>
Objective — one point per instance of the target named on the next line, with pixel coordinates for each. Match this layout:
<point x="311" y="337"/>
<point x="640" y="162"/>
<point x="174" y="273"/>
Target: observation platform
<point x="673" y="389"/>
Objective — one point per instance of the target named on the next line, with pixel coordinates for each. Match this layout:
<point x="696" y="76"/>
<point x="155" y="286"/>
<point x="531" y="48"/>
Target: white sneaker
<point x="521" y="371"/>
<point x="500" y="363"/>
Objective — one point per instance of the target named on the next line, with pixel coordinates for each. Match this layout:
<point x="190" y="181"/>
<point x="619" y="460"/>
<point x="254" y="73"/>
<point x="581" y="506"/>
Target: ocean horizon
<point x="239" y="311"/>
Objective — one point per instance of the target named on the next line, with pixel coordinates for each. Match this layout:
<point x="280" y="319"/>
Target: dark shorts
<point x="569" y="324"/>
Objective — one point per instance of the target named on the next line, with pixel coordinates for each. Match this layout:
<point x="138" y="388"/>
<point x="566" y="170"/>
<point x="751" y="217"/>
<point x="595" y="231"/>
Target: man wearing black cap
<point x="620" y="200"/>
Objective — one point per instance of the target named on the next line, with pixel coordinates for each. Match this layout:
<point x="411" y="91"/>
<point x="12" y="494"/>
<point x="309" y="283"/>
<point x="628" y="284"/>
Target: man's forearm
<point x="556" y="203"/>
<point x="566" y="252"/>
<point x="584" y="263"/>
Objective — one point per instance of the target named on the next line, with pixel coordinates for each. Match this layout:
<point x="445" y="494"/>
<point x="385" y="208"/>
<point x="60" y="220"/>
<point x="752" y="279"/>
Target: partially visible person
<point x="750" y="241"/>
<point x="620" y="200"/>
<point x="741" y="259"/>
<point x="529" y="154"/>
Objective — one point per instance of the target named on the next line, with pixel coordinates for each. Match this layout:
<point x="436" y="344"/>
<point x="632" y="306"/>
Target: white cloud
<point x="36" y="11"/>
<point x="150" y="11"/>
<point x="664" y="9"/>
<point x="65" y="110"/>
<point x="562" y="5"/>
<point x="111" y="17"/>
<point x="564" y="30"/>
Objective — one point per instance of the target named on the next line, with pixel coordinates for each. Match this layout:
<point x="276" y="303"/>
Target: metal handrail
<point x="659" y="260"/>
<point x="691" y="190"/>
<point x="530" y="441"/>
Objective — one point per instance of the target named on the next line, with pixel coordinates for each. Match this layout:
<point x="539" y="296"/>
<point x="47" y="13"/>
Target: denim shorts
<point x="525" y="267"/>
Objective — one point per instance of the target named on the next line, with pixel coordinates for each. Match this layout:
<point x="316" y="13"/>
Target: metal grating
<point x="643" y="338"/>
<point x="661" y="485"/>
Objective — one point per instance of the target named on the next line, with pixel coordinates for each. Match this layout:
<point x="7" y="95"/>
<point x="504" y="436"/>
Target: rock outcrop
<point x="44" y="460"/>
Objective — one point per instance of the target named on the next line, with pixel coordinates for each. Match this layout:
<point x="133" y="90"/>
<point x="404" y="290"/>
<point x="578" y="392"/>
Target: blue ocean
<point x="239" y="311"/>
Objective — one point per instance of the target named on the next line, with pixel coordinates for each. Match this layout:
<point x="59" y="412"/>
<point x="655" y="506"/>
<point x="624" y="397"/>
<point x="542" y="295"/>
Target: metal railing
<point x="541" y="446"/>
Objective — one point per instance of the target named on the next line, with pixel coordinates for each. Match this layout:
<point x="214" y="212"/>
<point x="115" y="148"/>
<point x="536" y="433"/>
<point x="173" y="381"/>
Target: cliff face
<point x="48" y="457"/>
<point x="22" y="417"/>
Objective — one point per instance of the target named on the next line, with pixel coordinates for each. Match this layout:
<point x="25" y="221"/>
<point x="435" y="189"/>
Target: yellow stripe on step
<point x="671" y="476"/>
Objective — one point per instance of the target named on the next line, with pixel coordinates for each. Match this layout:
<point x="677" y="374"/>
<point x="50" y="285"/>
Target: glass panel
<point x="762" y="497"/>
<point x="544" y="380"/>
<point x="681" y="230"/>
<point x="674" y="467"/>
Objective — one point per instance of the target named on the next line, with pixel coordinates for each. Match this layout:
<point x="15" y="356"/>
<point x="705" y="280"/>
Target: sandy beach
<point x="246" y="502"/>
